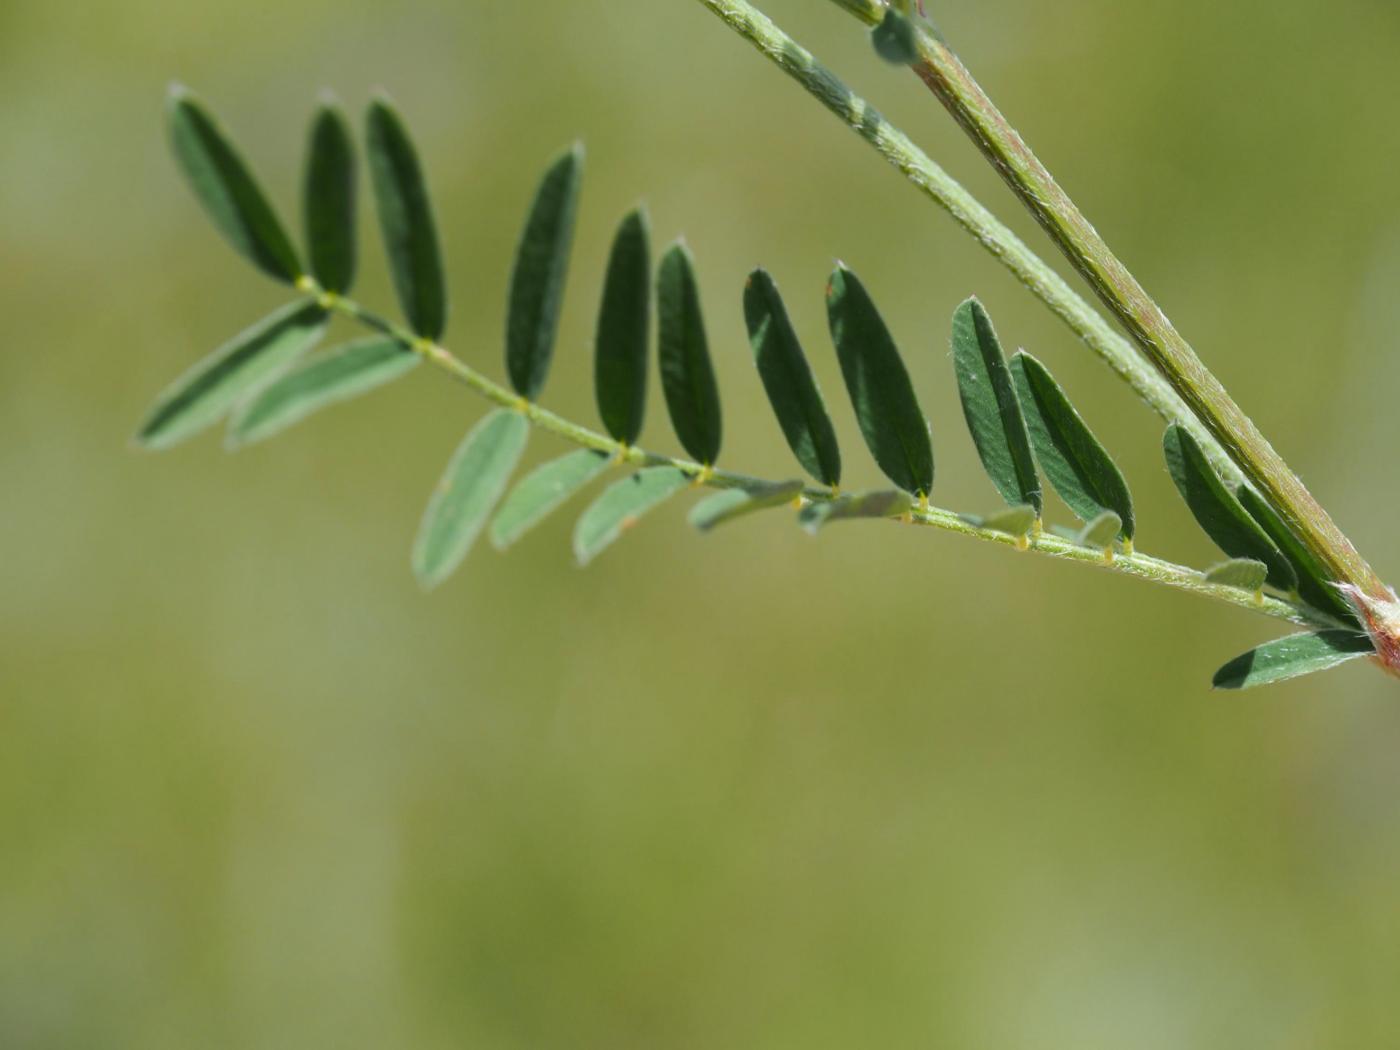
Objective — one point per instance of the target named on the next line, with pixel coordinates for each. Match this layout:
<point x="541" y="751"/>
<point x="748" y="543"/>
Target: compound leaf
<point x="887" y="503"/>
<point x="687" y="377"/>
<point x="1291" y="657"/>
<point x="1078" y="466"/>
<point x="537" y="282"/>
<point x="471" y="486"/>
<point x="543" y="490"/>
<point x="328" y="200"/>
<point x="991" y="407"/>
<point x="226" y="188"/>
<point x="1314" y="585"/>
<point x="325" y="380"/>
<point x="406" y="219"/>
<point x="621" y="506"/>
<point x="244" y="364"/>
<point x="726" y="506"/>
<point x="1245" y="574"/>
<point x="788" y="381"/>
<point x="1217" y="509"/>
<point x="624" y="322"/>
<point x="890" y="419"/>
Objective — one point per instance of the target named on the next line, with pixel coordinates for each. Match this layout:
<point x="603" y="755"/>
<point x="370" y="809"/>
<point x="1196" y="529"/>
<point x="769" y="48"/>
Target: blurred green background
<point x="883" y="788"/>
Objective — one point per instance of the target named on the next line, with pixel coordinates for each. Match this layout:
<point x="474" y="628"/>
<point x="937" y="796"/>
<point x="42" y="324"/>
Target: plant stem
<point x="1136" y="565"/>
<point x="1119" y="290"/>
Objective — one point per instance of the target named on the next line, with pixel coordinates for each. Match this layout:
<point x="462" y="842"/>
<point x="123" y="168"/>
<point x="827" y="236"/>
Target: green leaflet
<point x="890" y="419"/>
<point x="887" y="503"/>
<point x="326" y="379"/>
<point x="406" y="219"/>
<point x="1076" y="463"/>
<point x="537" y="282"/>
<point x="621" y="506"/>
<point x="1014" y="521"/>
<point x="328" y="200"/>
<point x="1314" y="586"/>
<point x="1217" y="510"/>
<point x="687" y="377"/>
<point x="245" y="363"/>
<point x="788" y="380"/>
<point x="1243" y="573"/>
<point x="1291" y="657"/>
<point x="472" y="484"/>
<point x="895" y="40"/>
<point x="543" y="490"/>
<point x="224" y="185"/>
<point x="724" y="507"/>
<point x="1101" y="532"/>
<point x="624" y="321"/>
<point x="991" y="407"/>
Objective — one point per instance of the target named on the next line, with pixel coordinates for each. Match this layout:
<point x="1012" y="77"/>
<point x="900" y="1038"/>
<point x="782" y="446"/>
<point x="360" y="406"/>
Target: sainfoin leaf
<point x="624" y="327"/>
<point x="1101" y="532"/>
<point x="788" y="381"/>
<point x="328" y="200"/>
<point x="326" y="379"/>
<point x="621" y="506"/>
<point x="1314" y="585"/>
<point x="886" y="503"/>
<point x="537" y="282"/>
<point x="1074" y="461"/>
<point x="406" y="219"/>
<point x="1291" y="657"/>
<point x="226" y="188"/>
<point x="1218" y="511"/>
<point x="687" y="376"/>
<point x="1013" y="521"/>
<point x="1243" y="573"/>
<point x="470" y="488"/>
<point x="890" y="419"/>
<point x="244" y="364"/>
<point x="991" y="407"/>
<point x="543" y="490"/>
<point x="727" y="506"/>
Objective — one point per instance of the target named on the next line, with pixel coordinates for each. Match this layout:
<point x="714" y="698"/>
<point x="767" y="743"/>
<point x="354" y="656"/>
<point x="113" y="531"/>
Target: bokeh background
<point x="882" y="788"/>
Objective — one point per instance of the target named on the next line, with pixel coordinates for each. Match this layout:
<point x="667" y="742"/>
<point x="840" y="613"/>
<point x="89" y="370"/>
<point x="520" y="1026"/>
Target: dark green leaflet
<point x="328" y="200"/>
<point x="1314" y="587"/>
<point x="1101" y="532"/>
<point x="731" y="504"/>
<point x="991" y="407"/>
<point x="1244" y="573"/>
<point x="537" y="282"/>
<point x="1291" y="657"/>
<point x="624" y="327"/>
<point x="1014" y="521"/>
<point x="326" y="379"/>
<point x="891" y="503"/>
<point x="895" y="40"/>
<point x="1076" y="463"/>
<point x="890" y="419"/>
<point x="687" y="377"/>
<point x="788" y="380"/>
<point x="241" y="366"/>
<point x="224" y="185"/>
<point x="406" y="219"/>
<point x="542" y="491"/>
<point x="470" y="488"/>
<point x="1218" y="511"/>
<point x="621" y="506"/>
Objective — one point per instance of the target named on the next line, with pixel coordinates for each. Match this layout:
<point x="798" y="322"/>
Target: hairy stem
<point x="1134" y="564"/>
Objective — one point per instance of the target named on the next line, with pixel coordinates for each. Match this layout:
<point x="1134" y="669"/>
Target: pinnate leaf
<point x="890" y="419"/>
<point x="470" y="488"/>
<point x="1314" y="585"/>
<point x="726" y="506"/>
<point x="788" y="381"/>
<point x="687" y="376"/>
<point x="624" y="322"/>
<point x="542" y="491"/>
<point x="226" y="188"/>
<point x="886" y="503"/>
<point x="621" y="506"/>
<point x="328" y="200"/>
<point x="325" y="380"/>
<point x="406" y="219"/>
<point x="1291" y="657"/>
<point x="241" y="366"/>
<point x="991" y="407"/>
<point x="537" y="282"/>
